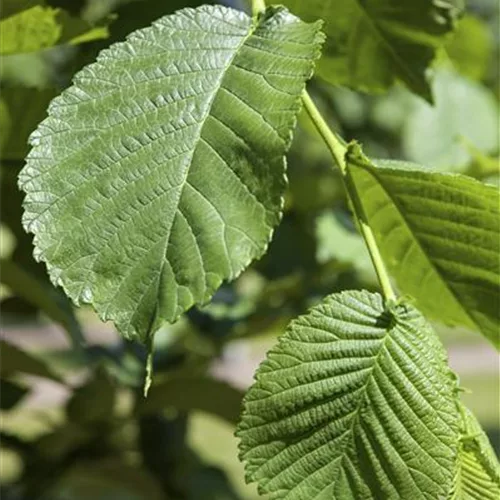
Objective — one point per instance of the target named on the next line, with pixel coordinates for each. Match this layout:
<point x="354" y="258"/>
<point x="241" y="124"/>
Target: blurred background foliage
<point x="74" y="424"/>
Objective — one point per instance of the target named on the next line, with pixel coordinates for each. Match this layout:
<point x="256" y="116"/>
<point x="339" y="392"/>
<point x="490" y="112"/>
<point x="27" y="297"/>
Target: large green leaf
<point x="477" y="474"/>
<point x="160" y="172"/>
<point x="40" y="27"/>
<point x="439" y="234"/>
<point x="372" y="43"/>
<point x="356" y="401"/>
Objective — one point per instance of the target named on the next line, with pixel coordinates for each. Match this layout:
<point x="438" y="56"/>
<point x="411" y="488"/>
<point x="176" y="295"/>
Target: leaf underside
<point x="478" y="472"/>
<point x="354" y="402"/>
<point x="160" y="172"/>
<point x="371" y="44"/>
<point x="439" y="234"/>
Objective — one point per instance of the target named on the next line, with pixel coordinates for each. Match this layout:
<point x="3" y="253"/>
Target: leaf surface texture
<point x="160" y="172"/>
<point x="439" y="234"/>
<point x="478" y="472"/>
<point x="355" y="401"/>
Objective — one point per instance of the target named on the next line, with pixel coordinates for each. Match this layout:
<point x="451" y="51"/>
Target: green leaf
<point x="33" y="29"/>
<point x="40" y="27"/>
<point x="355" y="401"/>
<point x="194" y="393"/>
<point x="15" y="360"/>
<point x="439" y="235"/>
<point x="371" y="44"/>
<point x="477" y="475"/>
<point x="433" y="135"/>
<point x="471" y="47"/>
<point x="147" y="187"/>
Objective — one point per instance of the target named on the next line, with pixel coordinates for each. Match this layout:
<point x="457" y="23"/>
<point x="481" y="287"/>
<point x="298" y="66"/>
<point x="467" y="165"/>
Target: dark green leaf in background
<point x="355" y="401"/>
<point x="11" y="393"/>
<point x="94" y="401"/>
<point x="138" y="14"/>
<point x="41" y="27"/>
<point x="13" y="360"/>
<point x="439" y="235"/>
<point x="373" y="43"/>
<point x="160" y="173"/>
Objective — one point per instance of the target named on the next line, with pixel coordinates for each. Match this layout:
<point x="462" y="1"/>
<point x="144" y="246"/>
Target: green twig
<point x="338" y="150"/>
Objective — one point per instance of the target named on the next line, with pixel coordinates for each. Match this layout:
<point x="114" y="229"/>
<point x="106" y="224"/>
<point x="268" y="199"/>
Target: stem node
<point x="339" y="151"/>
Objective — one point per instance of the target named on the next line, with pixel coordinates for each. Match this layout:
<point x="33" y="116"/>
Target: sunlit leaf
<point x="439" y="235"/>
<point x="471" y="48"/>
<point x="355" y="401"/>
<point x="160" y="172"/>
<point x="477" y="475"/>
<point x="40" y="27"/>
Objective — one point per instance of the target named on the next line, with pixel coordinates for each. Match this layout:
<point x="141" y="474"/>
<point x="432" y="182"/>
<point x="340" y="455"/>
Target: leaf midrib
<point x="218" y="86"/>
<point x="362" y="400"/>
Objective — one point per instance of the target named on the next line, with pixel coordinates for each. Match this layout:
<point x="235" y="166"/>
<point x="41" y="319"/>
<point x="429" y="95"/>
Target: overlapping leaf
<point x="356" y="401"/>
<point x="40" y="27"/>
<point x="370" y="44"/>
<point x="439" y="235"/>
<point x="471" y="47"/>
<point x="465" y="112"/>
<point x="477" y="472"/>
<point x="160" y="172"/>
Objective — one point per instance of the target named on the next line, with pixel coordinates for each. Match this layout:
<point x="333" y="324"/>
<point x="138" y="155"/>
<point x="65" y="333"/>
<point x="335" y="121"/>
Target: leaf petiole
<point x="338" y="149"/>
